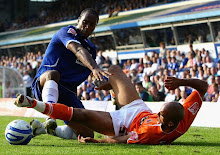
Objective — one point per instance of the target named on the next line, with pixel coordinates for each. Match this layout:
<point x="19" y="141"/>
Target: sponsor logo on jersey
<point x="72" y="31"/>
<point x="194" y="108"/>
<point x="143" y="119"/>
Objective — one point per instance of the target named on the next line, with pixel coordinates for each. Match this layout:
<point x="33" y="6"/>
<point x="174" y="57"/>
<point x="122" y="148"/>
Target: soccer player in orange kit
<point x="134" y="122"/>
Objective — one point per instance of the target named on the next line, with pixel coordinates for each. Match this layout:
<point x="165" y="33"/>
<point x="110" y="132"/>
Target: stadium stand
<point x="69" y="10"/>
<point x="191" y="53"/>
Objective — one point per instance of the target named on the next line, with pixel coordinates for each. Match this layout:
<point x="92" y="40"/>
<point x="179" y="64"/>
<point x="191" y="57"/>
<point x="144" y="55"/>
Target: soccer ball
<point x="18" y="132"/>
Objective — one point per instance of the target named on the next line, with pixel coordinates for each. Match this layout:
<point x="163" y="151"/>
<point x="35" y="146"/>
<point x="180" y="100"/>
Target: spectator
<point x="154" y="66"/>
<point x="92" y="96"/>
<point x="100" y="58"/>
<point x="147" y="83"/>
<point x="27" y="82"/>
<point x="193" y="73"/>
<point x="178" y="56"/>
<point x="170" y="96"/>
<point x="107" y="63"/>
<point x="183" y="96"/>
<point x="208" y="62"/>
<point x="85" y="95"/>
<point x="148" y="69"/>
<point x="143" y="92"/>
<point x="201" y="74"/>
<point x="157" y="96"/>
<point x="98" y="96"/>
<point x="217" y="81"/>
<point x="213" y="97"/>
<point x="135" y="77"/>
<point x="162" y="63"/>
<point x="89" y="85"/>
<point x="162" y="49"/>
<point x="175" y="65"/>
<point x="184" y="61"/>
<point x="134" y="64"/>
<point x="191" y="60"/>
<point x="79" y="92"/>
<point x="218" y="68"/>
<point x="177" y="94"/>
<point x="217" y="38"/>
<point x="140" y="66"/>
<point x="107" y="96"/>
<point x="211" y="85"/>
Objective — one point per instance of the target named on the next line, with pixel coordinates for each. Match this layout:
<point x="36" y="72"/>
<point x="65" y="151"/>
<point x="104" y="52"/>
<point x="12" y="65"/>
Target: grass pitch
<point x="196" y="141"/>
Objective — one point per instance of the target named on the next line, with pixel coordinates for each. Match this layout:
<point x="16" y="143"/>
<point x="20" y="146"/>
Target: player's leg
<point x="70" y="130"/>
<point x="124" y="90"/>
<point x="66" y="97"/>
<point x="48" y="92"/>
<point x="45" y="88"/>
<point x="96" y="120"/>
<point x="49" y="85"/>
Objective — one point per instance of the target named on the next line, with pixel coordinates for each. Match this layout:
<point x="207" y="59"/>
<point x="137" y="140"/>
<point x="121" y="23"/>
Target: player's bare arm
<point x="83" y="55"/>
<point x="119" y="139"/>
<point x="172" y="83"/>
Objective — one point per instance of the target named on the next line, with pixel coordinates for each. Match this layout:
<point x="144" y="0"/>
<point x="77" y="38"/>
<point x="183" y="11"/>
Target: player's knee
<point x="49" y="75"/>
<point x="53" y="75"/>
<point x="114" y="69"/>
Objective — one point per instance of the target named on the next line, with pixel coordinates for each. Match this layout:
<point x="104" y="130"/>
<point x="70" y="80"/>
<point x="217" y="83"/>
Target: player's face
<point x="86" y="24"/>
<point x="163" y="120"/>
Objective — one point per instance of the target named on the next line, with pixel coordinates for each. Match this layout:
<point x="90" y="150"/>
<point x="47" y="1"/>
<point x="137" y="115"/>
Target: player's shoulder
<point x="195" y="95"/>
<point x="69" y="29"/>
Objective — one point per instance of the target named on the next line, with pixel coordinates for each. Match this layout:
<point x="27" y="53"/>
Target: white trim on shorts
<point x="124" y="117"/>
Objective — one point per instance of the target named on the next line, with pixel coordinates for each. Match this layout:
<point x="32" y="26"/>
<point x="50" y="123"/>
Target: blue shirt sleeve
<point x="67" y="35"/>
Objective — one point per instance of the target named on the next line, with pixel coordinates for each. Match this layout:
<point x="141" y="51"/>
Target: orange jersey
<point x="145" y="128"/>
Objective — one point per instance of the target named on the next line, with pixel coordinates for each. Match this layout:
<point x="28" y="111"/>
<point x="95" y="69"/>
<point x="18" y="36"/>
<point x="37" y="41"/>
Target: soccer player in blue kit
<point x="68" y="61"/>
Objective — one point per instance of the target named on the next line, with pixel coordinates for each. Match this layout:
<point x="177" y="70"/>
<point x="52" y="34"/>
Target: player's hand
<point x="172" y="83"/>
<point x="102" y="85"/>
<point x="87" y="140"/>
<point x="98" y="74"/>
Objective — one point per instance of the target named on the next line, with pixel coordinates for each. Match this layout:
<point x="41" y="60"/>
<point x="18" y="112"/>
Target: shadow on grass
<point x="126" y="145"/>
<point x="195" y="144"/>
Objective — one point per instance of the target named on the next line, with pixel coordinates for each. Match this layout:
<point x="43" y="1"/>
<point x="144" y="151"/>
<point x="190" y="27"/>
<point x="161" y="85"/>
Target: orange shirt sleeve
<point x="191" y="105"/>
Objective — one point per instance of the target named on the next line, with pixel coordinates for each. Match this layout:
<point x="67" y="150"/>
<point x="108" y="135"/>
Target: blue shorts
<point x="66" y="96"/>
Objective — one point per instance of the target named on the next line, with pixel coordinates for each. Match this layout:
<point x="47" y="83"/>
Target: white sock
<point x="65" y="132"/>
<point x="50" y="92"/>
<point x="40" y="106"/>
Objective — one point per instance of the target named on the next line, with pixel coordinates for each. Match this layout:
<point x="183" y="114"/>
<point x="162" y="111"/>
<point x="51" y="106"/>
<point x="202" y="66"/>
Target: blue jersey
<point x="58" y="57"/>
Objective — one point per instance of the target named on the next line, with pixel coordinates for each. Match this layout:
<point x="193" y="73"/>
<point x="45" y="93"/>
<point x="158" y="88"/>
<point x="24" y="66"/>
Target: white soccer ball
<point x="18" y="132"/>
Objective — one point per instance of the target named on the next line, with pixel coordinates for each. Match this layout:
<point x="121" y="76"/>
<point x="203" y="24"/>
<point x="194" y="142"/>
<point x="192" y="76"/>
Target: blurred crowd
<point x="147" y="74"/>
<point x="69" y="10"/>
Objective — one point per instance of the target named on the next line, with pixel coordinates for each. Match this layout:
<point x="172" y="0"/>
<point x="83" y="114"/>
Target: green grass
<point x="196" y="141"/>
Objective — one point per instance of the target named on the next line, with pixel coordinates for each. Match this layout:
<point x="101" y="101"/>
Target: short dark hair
<point x="90" y="10"/>
<point x="139" y="83"/>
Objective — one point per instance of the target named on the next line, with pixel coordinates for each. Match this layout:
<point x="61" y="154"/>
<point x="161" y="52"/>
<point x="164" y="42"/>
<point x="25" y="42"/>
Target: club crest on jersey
<point x="72" y="31"/>
<point x="194" y="108"/>
<point x="134" y="136"/>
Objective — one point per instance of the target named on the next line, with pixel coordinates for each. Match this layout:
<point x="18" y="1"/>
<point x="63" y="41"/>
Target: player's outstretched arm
<point x="172" y="83"/>
<point x="83" y="55"/>
<point x="119" y="139"/>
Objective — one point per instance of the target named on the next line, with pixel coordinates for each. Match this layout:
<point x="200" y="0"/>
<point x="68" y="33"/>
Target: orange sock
<point x="59" y="111"/>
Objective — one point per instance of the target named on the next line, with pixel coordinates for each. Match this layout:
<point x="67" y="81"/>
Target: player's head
<point x="87" y="22"/>
<point x="171" y="113"/>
